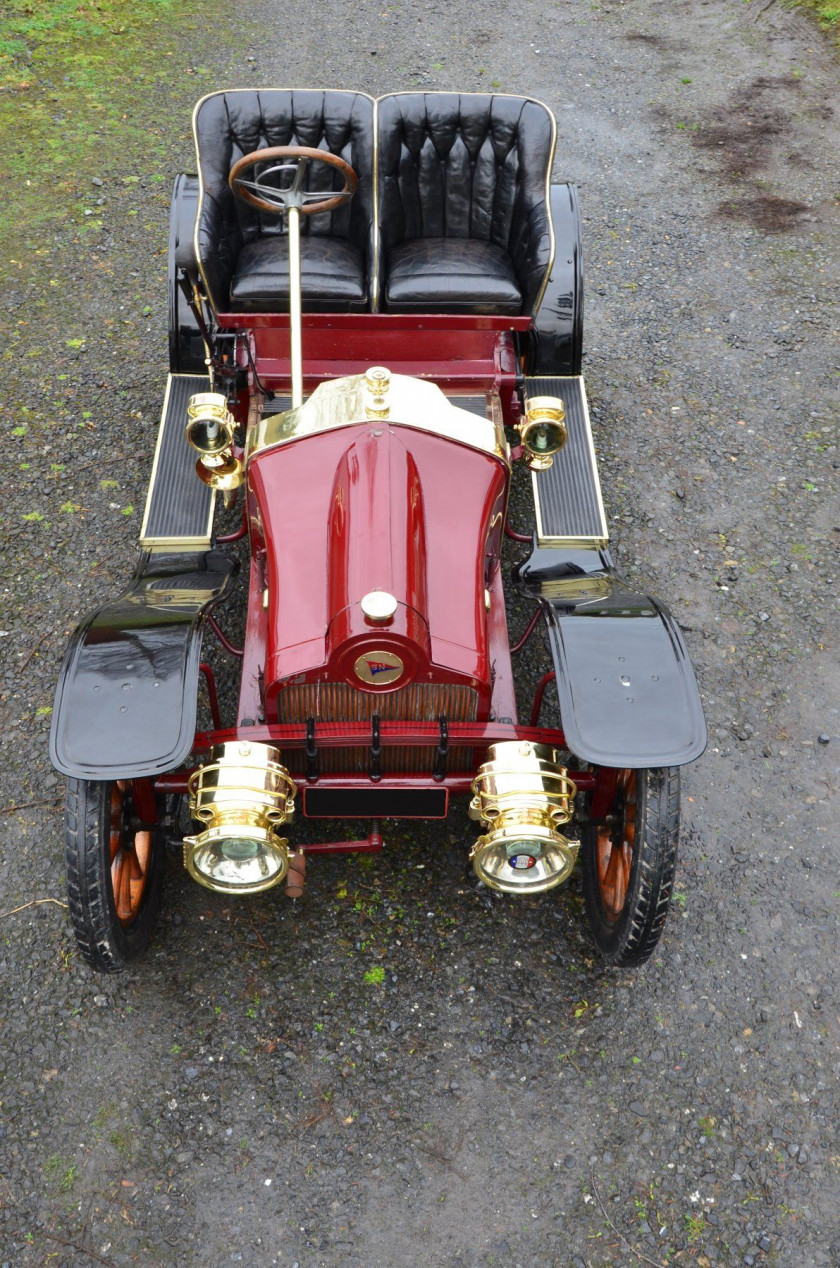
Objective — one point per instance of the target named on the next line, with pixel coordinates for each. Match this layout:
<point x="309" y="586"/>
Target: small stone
<point x="97" y="181"/>
<point x="101" y="1001"/>
<point x="764" y="616"/>
<point x="822" y="738"/>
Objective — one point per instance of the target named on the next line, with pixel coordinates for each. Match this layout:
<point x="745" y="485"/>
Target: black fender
<point x="555" y="341"/>
<point x="126" y="701"/>
<point x="186" y="345"/>
<point x="627" y="691"/>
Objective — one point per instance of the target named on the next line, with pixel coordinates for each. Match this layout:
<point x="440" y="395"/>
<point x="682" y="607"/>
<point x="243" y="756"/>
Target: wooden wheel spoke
<point x="131" y="853"/>
<point x="121" y="878"/>
<point x="615" y="877"/>
<point x="616" y="845"/>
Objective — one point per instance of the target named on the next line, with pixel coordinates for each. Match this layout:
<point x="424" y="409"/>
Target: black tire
<point x="102" y="840"/>
<point x="629" y="864"/>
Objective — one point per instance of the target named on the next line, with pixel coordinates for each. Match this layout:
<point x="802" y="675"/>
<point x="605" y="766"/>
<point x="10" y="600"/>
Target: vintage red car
<point x="376" y="310"/>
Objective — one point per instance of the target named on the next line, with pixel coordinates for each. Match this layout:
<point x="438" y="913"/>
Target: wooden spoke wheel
<point x="629" y="860"/>
<point x="114" y="868"/>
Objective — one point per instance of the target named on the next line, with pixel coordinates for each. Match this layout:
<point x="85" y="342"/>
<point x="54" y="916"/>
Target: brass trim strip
<point x="544" y="539"/>
<point x="196" y="253"/>
<point x="377" y="237"/>
<point x="166" y="545"/>
<point x="548" y="173"/>
<point x="169" y="542"/>
<point x="156" y="459"/>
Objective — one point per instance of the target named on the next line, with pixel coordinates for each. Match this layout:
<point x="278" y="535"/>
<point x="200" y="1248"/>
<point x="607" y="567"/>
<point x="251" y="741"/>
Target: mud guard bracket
<point x="628" y="696"/>
<point x="126" y="700"/>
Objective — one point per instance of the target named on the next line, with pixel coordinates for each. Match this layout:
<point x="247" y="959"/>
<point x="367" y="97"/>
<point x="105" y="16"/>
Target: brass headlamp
<point x="242" y="795"/>
<point x="210" y="428"/>
<point x="522" y="794"/>
<point x="543" y="430"/>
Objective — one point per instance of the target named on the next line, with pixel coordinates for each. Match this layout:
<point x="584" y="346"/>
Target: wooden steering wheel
<point x="273" y="198"/>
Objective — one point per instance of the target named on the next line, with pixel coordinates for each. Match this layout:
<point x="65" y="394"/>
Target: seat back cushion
<point x="229" y="124"/>
<point x="471" y="165"/>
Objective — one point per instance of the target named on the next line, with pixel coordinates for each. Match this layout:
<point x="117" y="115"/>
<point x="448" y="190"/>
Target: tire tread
<point x="633" y="939"/>
<point x="101" y="940"/>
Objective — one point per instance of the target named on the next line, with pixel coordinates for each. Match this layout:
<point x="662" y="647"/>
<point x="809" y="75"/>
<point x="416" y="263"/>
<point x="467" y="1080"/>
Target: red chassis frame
<point x="463" y="355"/>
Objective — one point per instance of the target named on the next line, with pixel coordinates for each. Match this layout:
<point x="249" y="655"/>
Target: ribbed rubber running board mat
<point x="179" y="508"/>
<point x="567" y="497"/>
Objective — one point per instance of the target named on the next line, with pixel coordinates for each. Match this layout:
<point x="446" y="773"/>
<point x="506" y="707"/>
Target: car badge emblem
<point x="378" y="669"/>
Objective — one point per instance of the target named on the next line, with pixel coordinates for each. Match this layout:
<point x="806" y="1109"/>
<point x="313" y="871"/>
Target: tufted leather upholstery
<point x="241" y="256"/>
<point x="463" y="214"/>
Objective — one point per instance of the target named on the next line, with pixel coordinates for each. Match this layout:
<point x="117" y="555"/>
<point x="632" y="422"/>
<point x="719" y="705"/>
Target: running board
<point x="179" y="507"/>
<point x="567" y="497"/>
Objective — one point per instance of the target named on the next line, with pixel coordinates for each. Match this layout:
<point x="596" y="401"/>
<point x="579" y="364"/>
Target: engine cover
<point x="384" y="505"/>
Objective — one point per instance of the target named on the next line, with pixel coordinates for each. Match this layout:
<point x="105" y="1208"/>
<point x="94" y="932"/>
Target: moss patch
<point x="88" y="87"/>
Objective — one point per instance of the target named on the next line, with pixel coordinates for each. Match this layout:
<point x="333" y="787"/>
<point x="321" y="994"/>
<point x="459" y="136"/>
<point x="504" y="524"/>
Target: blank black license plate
<point x="375" y="803"/>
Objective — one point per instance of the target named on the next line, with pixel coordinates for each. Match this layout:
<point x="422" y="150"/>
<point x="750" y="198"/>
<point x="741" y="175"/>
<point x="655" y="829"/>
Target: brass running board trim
<point x="179" y="508"/>
<point x="568" y="504"/>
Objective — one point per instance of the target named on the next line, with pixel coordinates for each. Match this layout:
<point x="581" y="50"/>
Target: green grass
<point x="74" y="77"/>
<point x="827" y="13"/>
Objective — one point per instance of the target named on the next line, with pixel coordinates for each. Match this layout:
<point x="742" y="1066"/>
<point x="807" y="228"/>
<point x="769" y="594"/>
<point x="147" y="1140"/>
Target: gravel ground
<point x="247" y="1094"/>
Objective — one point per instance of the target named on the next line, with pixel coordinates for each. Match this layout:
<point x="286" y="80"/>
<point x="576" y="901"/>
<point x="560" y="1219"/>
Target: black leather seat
<point x="242" y="253"/>
<point x="464" y="218"/>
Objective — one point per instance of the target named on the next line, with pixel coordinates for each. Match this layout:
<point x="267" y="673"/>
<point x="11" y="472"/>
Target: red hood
<point x="377" y="507"/>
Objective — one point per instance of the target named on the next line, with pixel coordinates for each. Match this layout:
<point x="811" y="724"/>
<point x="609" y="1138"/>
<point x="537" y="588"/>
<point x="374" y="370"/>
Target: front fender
<point x="628" y="696"/>
<point x="126" y="701"/>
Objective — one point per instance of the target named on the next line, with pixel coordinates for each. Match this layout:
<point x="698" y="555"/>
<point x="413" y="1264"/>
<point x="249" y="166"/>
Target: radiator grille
<point x="419" y="702"/>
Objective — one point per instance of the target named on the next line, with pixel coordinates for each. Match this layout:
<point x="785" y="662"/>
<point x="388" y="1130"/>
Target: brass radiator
<point x="418" y="702"/>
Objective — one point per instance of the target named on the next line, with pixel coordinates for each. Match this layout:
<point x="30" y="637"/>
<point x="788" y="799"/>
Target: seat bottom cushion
<point x="451" y="275"/>
<point x="332" y="276"/>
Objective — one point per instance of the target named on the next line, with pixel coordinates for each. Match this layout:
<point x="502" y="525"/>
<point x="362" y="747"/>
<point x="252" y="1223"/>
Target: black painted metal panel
<point x="555" y="343"/>
<point x="628" y="696"/>
<point x="371" y="802"/>
<point x="179" y="507"/>
<point x="186" y="344"/>
<point x="125" y="705"/>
